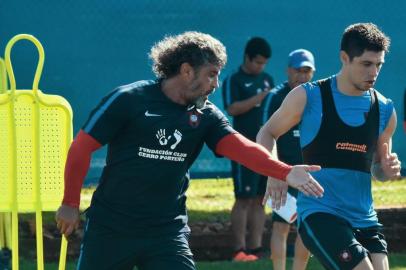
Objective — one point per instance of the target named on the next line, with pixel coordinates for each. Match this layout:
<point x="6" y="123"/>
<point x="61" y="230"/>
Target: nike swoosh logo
<point x="147" y="114"/>
<point x="248" y="84"/>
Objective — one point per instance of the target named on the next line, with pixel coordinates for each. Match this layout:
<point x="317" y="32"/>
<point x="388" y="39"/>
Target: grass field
<point x="396" y="262"/>
<point x="212" y="199"/>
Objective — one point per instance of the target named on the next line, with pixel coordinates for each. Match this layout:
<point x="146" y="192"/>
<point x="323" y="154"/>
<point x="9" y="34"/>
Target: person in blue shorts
<point x="301" y="67"/>
<point x="243" y="93"/>
<point x="346" y="126"/>
<point x="154" y="131"/>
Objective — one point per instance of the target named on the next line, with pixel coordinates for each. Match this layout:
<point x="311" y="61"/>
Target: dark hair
<point x="257" y="46"/>
<point x="194" y="48"/>
<point x="363" y="36"/>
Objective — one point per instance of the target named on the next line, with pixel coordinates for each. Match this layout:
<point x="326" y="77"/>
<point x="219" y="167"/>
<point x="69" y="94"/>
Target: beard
<point x="200" y="102"/>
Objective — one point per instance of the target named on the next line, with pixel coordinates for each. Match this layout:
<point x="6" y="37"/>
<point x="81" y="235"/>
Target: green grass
<point x="211" y="199"/>
<point x="396" y="262"/>
<point x="389" y="194"/>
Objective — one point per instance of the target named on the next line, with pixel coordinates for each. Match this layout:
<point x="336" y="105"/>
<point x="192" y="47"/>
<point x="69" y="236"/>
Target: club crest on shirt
<point x="194" y="118"/>
<point x="345" y="256"/>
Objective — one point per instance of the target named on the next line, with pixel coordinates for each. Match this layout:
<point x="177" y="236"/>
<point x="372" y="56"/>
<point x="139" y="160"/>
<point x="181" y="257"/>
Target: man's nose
<point x="374" y="71"/>
<point x="215" y="82"/>
<point x="303" y="77"/>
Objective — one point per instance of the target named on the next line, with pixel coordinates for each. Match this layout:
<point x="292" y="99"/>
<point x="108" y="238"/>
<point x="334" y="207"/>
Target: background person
<point x="347" y="127"/>
<point x="243" y="93"/>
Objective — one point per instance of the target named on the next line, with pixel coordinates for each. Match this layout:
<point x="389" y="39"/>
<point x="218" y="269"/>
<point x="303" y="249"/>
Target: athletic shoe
<point x="241" y="256"/>
<point x="260" y="252"/>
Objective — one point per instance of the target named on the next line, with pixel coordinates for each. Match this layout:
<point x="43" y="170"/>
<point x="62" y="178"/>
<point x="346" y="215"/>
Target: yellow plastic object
<point x="5" y="230"/>
<point x="34" y="140"/>
<point x="3" y="76"/>
<point x="5" y="218"/>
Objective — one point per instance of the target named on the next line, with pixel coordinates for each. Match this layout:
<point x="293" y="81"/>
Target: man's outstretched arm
<point x="257" y="158"/>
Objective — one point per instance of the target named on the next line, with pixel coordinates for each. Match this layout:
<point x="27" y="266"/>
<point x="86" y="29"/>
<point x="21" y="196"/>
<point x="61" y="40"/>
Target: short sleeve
<point x="219" y="128"/>
<point x="230" y="90"/>
<point x="274" y="105"/>
<point x="110" y="115"/>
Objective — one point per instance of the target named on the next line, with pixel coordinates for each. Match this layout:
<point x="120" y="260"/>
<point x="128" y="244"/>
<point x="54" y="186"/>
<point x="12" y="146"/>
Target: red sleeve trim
<point x="252" y="155"/>
<point x="77" y="165"/>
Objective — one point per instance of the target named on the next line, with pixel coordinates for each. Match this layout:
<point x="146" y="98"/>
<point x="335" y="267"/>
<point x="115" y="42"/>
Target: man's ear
<point x="345" y="59"/>
<point x="186" y="71"/>
<point x="288" y="70"/>
<point x="246" y="58"/>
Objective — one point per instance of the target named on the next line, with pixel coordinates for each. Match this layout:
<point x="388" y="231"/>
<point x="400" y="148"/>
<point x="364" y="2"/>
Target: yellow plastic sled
<point x="35" y="135"/>
<point x="5" y="219"/>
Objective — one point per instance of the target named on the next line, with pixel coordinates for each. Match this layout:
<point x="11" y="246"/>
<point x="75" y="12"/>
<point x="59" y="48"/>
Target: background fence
<point x="95" y="45"/>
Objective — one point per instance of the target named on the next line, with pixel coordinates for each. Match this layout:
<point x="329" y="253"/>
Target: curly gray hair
<point x="194" y="48"/>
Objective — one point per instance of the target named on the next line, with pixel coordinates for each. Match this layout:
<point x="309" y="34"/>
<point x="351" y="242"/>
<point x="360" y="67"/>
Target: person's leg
<point x="331" y="239"/>
<point x="365" y="264"/>
<point x="302" y="255"/>
<point x="374" y="241"/>
<point x="245" y="188"/>
<point x="279" y="236"/>
<point x="256" y="222"/>
<point x="168" y="253"/>
<point x="105" y="249"/>
<point x="174" y="261"/>
<point x="380" y="261"/>
<point x="256" y="213"/>
<point x="239" y="215"/>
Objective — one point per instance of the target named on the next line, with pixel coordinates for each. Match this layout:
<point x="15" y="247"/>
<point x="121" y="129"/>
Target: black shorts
<point x="338" y="245"/>
<point x="105" y="249"/>
<point x="277" y="218"/>
<point x="247" y="184"/>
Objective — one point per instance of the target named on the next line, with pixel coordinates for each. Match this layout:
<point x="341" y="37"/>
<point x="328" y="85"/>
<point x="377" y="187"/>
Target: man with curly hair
<point x="346" y="126"/>
<point x="154" y="131"/>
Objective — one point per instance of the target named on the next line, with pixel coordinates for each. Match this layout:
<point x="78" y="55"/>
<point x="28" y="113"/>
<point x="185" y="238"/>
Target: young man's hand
<point x="298" y="178"/>
<point x="390" y="164"/>
<point x="276" y="190"/>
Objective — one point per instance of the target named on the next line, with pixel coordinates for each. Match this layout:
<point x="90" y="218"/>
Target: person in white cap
<point x="301" y="67"/>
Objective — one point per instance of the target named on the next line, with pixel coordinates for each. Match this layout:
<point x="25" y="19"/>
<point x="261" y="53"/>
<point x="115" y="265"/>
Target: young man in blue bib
<point x="301" y="67"/>
<point x="346" y="126"/>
